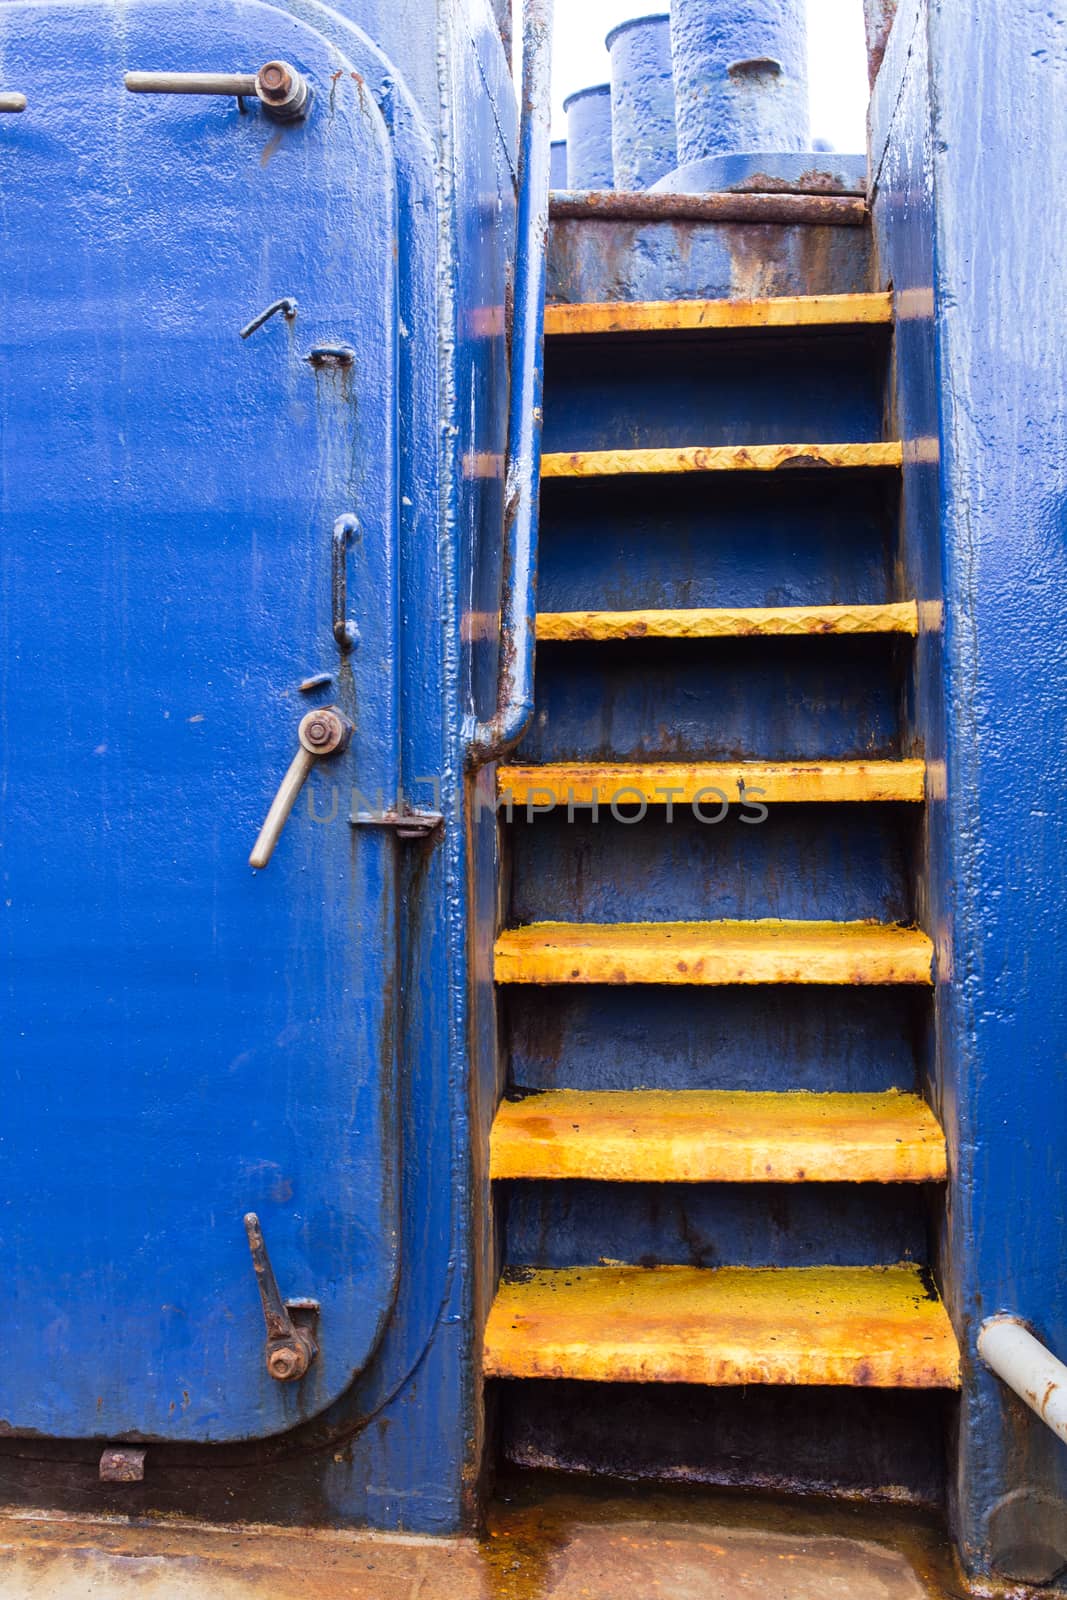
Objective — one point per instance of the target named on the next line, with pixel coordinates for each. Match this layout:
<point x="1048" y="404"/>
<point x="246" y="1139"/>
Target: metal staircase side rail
<point x="492" y="739"/>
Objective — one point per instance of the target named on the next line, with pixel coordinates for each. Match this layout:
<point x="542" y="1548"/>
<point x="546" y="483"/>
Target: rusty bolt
<point x="275" y="82"/>
<point x="324" y="731"/>
<point x="286" y="1362"/>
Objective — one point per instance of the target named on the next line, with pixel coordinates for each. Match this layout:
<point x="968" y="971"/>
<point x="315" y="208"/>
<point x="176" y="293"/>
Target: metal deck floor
<point x="553" y="1545"/>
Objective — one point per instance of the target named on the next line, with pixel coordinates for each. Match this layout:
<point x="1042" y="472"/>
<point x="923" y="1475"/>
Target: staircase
<point x="714" y="1163"/>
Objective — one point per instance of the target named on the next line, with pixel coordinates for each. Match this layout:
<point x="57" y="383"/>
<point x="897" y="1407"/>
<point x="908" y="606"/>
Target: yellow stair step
<point x="727" y="622"/>
<point x="718" y="458"/>
<point x="683" y="316"/>
<point x="768" y="950"/>
<point x="718" y="1136"/>
<point x="682" y="783"/>
<point x="869" y="1327"/>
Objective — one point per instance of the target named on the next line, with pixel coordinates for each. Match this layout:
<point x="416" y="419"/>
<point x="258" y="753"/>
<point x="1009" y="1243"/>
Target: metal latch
<point x="290" y="1347"/>
<point x="406" y="824"/>
<point x="321" y="733"/>
<point x="284" y="93"/>
<point x="12" y="102"/>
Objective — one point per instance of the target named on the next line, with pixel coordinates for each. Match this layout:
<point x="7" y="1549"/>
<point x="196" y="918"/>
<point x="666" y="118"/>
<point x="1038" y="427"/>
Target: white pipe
<point x="1012" y="1352"/>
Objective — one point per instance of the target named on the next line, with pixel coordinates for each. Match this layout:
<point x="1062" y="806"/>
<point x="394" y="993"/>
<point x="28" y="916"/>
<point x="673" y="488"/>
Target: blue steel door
<point x="186" y="1040"/>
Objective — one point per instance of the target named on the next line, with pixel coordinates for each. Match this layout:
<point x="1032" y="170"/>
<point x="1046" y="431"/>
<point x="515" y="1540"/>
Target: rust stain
<point x="836" y="210"/>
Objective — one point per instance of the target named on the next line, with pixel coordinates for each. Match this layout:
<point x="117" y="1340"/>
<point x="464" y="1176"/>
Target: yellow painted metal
<point x="678" y="316"/>
<point x="682" y="783"/>
<point x="718" y="458"/>
<point x="718" y="1136"/>
<point x="726" y="952"/>
<point x="876" y="1327"/>
<point x="898" y="617"/>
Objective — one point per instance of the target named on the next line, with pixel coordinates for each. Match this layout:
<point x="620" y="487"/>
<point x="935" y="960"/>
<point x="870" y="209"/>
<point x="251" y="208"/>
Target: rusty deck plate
<point x="718" y="1136"/>
<point x="901" y="616"/>
<point x="767" y="950"/>
<point x="876" y="1327"/>
<point x="685" y="316"/>
<point x="719" y="458"/>
<point x="686" y="782"/>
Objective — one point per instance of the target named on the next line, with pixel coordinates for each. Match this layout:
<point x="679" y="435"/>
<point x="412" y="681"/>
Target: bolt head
<point x="275" y="81"/>
<point x="322" y="732"/>
<point x="286" y="1362"/>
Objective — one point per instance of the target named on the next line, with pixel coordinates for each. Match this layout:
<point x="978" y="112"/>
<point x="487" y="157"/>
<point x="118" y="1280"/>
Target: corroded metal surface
<point x="605" y="205"/>
<point x="724" y="623"/>
<point x="876" y="1327"/>
<point x="674" y="316"/>
<point x="666" y="783"/>
<point x="724" y="1136"/>
<point x="718" y="458"/>
<point x="541" y="1544"/>
<point x="727" y="952"/>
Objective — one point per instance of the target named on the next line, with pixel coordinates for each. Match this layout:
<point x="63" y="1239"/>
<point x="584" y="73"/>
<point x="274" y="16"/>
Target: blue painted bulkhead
<point x="388" y="1434"/>
<point x="967" y="120"/>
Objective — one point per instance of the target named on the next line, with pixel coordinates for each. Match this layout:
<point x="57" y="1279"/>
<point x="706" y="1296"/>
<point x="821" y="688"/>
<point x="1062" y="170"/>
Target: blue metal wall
<point x="399" y="1448"/>
<point x="968" y="120"/>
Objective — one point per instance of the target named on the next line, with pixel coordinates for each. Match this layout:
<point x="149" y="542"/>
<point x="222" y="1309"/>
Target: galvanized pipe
<point x="518" y="610"/>
<point x="1010" y="1350"/>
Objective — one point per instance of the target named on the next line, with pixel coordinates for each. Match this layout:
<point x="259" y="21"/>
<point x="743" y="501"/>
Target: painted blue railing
<point x="518" y="608"/>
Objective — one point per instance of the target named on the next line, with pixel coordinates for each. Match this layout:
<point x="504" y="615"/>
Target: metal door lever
<point x="12" y="102"/>
<point x="290" y="1349"/>
<point x="322" y="733"/>
<point x="283" y="92"/>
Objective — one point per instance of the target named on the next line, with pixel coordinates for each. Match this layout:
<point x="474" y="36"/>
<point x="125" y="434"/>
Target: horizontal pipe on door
<point x="228" y="83"/>
<point x="1010" y="1350"/>
<point x="12" y="102"/>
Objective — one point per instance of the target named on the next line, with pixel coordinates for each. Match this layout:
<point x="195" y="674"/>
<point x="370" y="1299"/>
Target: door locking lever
<point x="12" y="102"/>
<point x="322" y="733"/>
<point x="284" y="93"/>
<point x="290" y="1349"/>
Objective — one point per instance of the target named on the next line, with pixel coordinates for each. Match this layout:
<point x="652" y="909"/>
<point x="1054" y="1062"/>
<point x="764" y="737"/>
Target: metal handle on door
<point x="290" y="1349"/>
<point x="12" y="102"/>
<point x="283" y="92"/>
<point x="344" y="629"/>
<point x="322" y="733"/>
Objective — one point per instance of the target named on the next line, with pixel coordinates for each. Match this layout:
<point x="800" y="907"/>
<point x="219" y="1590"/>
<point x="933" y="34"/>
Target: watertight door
<point x="185" y="1039"/>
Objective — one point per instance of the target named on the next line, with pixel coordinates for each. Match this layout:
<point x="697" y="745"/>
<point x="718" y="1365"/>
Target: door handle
<point x="12" y="102"/>
<point x="322" y="733"/>
<point x="344" y="629"/>
<point x="284" y="93"/>
<point x="290" y="1349"/>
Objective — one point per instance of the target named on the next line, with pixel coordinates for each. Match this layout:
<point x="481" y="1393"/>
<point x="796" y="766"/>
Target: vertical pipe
<point x="589" y="164"/>
<point x="518" y="609"/>
<point x="558" y="164"/>
<point x="643" y="141"/>
<point x="740" y="76"/>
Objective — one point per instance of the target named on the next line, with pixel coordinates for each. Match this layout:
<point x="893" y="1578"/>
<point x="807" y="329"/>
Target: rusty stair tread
<point x="718" y="1136"/>
<point x="870" y="1327"/>
<point x="719" y="458"/>
<point x="683" y="316"/>
<point x="683" y="782"/>
<point x="727" y="622"/>
<point x="728" y="951"/>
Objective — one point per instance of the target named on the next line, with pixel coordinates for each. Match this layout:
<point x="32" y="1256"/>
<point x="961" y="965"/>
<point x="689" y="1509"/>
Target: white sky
<point x="837" y="61"/>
